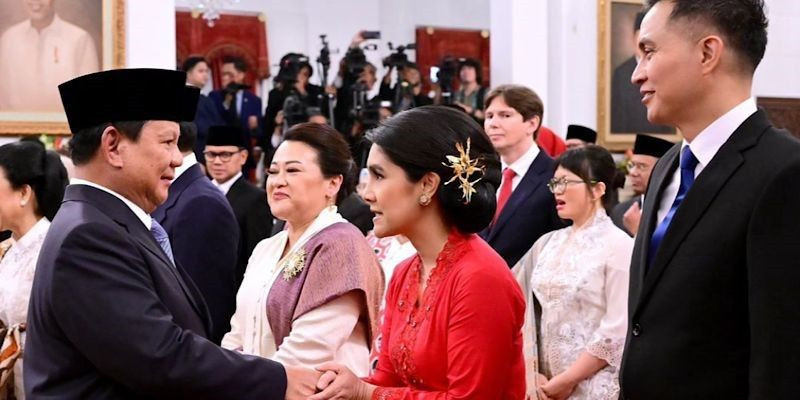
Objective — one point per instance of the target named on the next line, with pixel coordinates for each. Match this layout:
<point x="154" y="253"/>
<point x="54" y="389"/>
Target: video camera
<point x="398" y="59"/>
<point x="444" y="74"/>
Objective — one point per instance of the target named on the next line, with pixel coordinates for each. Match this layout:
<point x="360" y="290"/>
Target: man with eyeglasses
<point x="225" y="154"/>
<point x="646" y="151"/>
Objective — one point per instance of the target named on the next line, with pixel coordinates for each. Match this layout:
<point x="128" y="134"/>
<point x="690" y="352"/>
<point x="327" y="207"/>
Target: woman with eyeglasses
<point x="576" y="284"/>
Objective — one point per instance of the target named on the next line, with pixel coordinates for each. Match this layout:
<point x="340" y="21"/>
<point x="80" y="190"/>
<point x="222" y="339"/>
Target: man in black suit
<point x="646" y="152"/>
<point x="111" y="314"/>
<point x="714" y="307"/>
<point x="197" y="212"/>
<point x="225" y="154"/>
<point x="526" y="209"/>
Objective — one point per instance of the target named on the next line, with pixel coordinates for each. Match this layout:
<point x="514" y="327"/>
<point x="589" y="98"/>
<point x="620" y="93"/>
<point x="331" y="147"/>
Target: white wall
<point x="150" y="33"/>
<point x="778" y="75"/>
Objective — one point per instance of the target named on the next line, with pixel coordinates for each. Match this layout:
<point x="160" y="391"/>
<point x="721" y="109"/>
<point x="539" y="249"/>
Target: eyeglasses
<point x="637" y="165"/>
<point x="224" y="156"/>
<point x="559" y="186"/>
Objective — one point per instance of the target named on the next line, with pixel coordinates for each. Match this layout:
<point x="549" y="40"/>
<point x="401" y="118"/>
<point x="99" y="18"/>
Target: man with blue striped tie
<point x="112" y="316"/>
<point x="714" y="310"/>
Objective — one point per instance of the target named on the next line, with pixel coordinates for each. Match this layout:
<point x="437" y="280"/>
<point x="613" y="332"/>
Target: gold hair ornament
<point x="463" y="167"/>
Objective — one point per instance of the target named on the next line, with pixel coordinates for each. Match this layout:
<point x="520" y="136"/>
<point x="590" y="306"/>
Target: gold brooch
<point x="294" y="264"/>
<point x="463" y="168"/>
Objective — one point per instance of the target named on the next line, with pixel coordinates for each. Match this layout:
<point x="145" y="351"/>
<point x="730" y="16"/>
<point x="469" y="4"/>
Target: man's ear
<point x="112" y="145"/>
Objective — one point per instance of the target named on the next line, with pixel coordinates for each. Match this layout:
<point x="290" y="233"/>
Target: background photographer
<point x="293" y="100"/>
<point x="355" y="111"/>
<point x="470" y="95"/>
<point x="239" y="106"/>
<point x="407" y="92"/>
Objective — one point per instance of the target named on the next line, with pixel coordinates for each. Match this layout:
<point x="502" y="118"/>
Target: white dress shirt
<point x="188" y="161"/>
<point x="226" y="186"/>
<point x="141" y="214"/>
<point x="520" y="167"/>
<point x="705" y="146"/>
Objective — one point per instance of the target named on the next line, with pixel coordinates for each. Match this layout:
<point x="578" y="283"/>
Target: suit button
<point x="636" y="330"/>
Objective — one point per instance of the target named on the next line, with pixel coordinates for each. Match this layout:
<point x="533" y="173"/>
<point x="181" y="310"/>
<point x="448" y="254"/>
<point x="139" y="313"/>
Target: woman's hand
<point x="559" y="387"/>
<point x="338" y="382"/>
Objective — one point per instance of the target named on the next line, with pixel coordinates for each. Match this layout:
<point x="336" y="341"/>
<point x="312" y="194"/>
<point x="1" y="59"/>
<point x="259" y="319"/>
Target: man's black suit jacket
<point x="205" y="237"/>
<point x="717" y="314"/>
<point x="111" y="318"/>
<point x="252" y="213"/>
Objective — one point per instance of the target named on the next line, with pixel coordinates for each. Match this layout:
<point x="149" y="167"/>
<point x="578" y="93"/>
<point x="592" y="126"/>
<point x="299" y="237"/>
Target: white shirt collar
<point x="39" y="228"/>
<point x="188" y="161"/>
<point x="226" y="186"/>
<point x="710" y="139"/>
<point x="54" y="25"/>
<point x="143" y="216"/>
<point x="521" y="166"/>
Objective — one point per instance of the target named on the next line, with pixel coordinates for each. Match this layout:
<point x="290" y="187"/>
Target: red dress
<point x="463" y="339"/>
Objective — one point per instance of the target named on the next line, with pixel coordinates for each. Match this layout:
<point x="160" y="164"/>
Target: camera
<point x="446" y="72"/>
<point x="398" y="59"/>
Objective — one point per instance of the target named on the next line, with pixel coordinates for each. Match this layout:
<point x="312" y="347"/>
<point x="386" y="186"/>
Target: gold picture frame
<point x="620" y="114"/>
<point x="112" y="56"/>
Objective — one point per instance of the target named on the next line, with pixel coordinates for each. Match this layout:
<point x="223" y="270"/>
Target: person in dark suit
<point x="714" y="308"/>
<point x="526" y="209"/>
<point x="225" y="155"/>
<point x="196" y="212"/>
<point x="646" y="152"/>
<point x="196" y="69"/>
<point x="112" y="316"/>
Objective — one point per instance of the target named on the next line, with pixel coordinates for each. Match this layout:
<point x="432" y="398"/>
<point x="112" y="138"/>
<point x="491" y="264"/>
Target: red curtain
<point x="435" y="43"/>
<point x="232" y="35"/>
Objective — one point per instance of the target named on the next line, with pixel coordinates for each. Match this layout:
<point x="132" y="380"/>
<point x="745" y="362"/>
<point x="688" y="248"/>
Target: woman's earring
<point x="23" y="203"/>
<point x="424" y="200"/>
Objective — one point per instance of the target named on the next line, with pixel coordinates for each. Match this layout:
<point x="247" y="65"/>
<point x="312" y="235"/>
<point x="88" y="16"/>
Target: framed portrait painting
<point x="621" y="114"/>
<point x="45" y="43"/>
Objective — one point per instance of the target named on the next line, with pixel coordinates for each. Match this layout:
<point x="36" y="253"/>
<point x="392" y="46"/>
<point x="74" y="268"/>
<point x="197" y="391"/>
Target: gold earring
<point x="424" y="200"/>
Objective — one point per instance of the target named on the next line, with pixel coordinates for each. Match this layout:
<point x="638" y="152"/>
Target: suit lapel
<point x="705" y="188"/>
<point x="119" y="212"/>
<point x="534" y="178"/>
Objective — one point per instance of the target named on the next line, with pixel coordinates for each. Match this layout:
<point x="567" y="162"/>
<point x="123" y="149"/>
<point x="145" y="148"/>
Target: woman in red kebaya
<point x="452" y="327"/>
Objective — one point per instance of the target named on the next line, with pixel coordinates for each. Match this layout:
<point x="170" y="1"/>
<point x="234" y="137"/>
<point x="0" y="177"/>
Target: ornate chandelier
<point x="210" y="9"/>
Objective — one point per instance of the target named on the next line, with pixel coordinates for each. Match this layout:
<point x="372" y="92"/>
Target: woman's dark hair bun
<point x="418" y="140"/>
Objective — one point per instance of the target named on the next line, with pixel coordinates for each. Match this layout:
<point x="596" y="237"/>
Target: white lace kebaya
<point x="580" y="278"/>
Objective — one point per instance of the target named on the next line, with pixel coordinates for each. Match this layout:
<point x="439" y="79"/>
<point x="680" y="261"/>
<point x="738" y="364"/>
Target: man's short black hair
<point x="742" y="23"/>
<point x="84" y="143"/>
<point x="238" y="63"/>
<point x="188" y="137"/>
<point x="192" y="62"/>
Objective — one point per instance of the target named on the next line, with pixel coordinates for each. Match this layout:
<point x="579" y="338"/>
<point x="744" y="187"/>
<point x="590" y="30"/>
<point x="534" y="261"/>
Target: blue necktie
<point x="688" y="164"/>
<point x="162" y="239"/>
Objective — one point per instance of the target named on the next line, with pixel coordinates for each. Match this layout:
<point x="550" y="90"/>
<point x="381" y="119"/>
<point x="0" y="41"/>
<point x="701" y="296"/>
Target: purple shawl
<point x="338" y="260"/>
